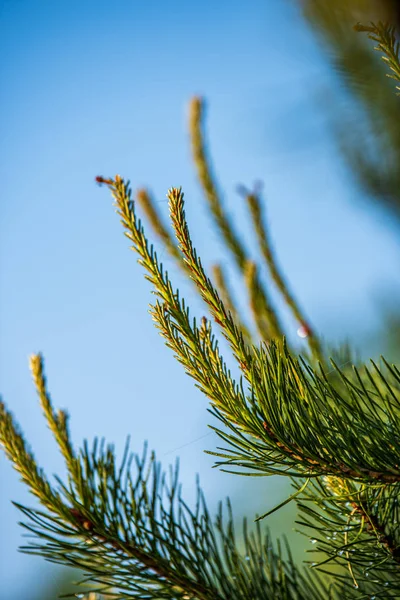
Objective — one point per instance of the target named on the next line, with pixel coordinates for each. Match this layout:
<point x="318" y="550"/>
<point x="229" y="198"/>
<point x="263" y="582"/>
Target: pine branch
<point x="224" y="224"/>
<point x="385" y="36"/>
<point x="365" y="123"/>
<point x="204" y="171"/>
<point x="146" y="202"/>
<point x="293" y="421"/>
<point x="135" y="537"/>
<point x="58" y="423"/>
<point x="356" y="526"/>
<point x="23" y="461"/>
<point x="148" y="206"/>
<point x="259" y="225"/>
<point x="318" y="429"/>
<point x="257" y="304"/>
<point x="203" y="283"/>
<point x="226" y="296"/>
<point x="199" y="358"/>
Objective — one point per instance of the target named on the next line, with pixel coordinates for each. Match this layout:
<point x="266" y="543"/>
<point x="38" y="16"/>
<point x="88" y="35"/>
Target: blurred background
<point x="295" y="98"/>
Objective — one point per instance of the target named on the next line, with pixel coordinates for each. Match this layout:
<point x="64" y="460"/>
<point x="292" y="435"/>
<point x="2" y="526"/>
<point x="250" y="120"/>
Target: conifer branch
<point x="23" y="461"/>
<point x="260" y="227"/>
<point x="276" y="429"/>
<point x="203" y="283"/>
<point x="199" y="358"/>
<point x="146" y="202"/>
<point x="385" y="36"/>
<point x="355" y="525"/>
<point x="226" y="296"/>
<point x="148" y="206"/>
<point x="135" y="537"/>
<point x="225" y="226"/>
<point x="58" y="423"/>
<point x="267" y="327"/>
<point x="319" y="430"/>
<point x="204" y="171"/>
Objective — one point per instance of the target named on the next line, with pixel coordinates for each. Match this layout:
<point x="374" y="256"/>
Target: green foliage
<point x="135" y="536"/>
<point x="385" y="37"/>
<point x="362" y="112"/>
<point x="334" y="431"/>
<point x="355" y="525"/>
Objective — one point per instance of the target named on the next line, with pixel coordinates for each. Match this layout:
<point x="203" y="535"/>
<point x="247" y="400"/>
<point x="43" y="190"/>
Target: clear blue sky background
<point x="95" y="87"/>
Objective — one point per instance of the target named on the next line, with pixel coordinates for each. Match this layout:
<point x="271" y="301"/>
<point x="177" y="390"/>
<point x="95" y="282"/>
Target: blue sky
<point x="102" y="88"/>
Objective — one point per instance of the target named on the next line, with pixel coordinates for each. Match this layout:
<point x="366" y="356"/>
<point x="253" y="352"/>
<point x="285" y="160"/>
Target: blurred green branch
<point x="365" y="119"/>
